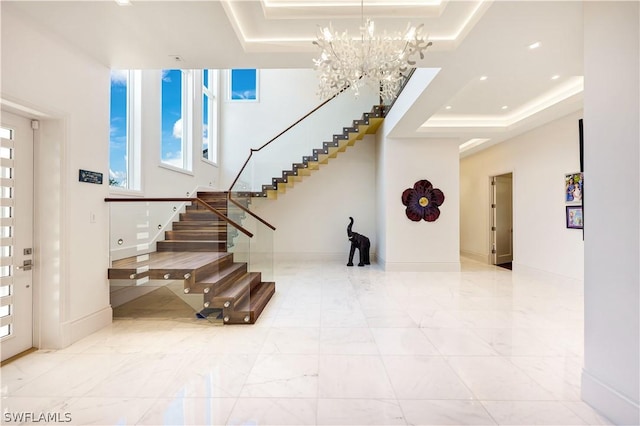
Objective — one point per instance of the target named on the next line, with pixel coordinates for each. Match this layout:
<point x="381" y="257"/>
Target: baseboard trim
<point x="306" y="257"/>
<point x="421" y="266"/>
<point x="609" y="402"/>
<point x="73" y="331"/>
<point x="478" y="257"/>
<point x="519" y="267"/>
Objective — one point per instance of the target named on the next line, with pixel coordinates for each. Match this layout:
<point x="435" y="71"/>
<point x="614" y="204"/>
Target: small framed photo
<point x="574" y="217"/>
<point x="573" y="187"/>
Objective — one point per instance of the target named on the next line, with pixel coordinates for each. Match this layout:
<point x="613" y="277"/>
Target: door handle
<point x="26" y="265"/>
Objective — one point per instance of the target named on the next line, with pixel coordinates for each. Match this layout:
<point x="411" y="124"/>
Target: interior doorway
<point x="502" y="220"/>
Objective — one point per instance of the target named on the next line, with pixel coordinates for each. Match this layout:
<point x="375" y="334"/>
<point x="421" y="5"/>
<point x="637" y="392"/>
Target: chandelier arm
<point x="334" y="51"/>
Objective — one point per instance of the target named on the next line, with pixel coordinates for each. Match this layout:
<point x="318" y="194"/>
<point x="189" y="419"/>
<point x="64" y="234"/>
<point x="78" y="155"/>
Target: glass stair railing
<point x="188" y="259"/>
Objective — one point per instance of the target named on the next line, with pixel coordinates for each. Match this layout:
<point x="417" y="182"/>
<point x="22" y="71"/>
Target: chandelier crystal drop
<point x="381" y="61"/>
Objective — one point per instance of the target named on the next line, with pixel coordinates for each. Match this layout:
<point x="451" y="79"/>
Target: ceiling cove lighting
<point x="342" y="3"/>
<point x="574" y="86"/>
<point x="380" y="61"/>
<point x="472" y="143"/>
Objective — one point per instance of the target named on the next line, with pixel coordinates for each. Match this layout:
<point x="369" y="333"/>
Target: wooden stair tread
<point x="262" y="295"/>
<point x="198" y="224"/>
<point x="217" y="276"/>
<point x="197" y="234"/>
<point x="253" y="306"/>
<point x="172" y="260"/>
<point x="193" y="241"/>
<point x="191" y="245"/>
<point x="239" y="287"/>
<point x="258" y="298"/>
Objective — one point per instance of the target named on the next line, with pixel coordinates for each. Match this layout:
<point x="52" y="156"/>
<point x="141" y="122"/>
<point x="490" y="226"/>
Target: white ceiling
<point x="471" y="39"/>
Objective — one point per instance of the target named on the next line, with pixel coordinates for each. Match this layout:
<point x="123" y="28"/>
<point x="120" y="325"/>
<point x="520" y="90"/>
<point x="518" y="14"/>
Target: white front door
<point x="16" y="235"/>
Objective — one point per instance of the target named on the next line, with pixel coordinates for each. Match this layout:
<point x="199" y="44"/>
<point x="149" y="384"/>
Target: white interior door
<point x="502" y="227"/>
<point x="16" y="235"/>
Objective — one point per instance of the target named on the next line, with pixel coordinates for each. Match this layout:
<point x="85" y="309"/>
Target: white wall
<point x="611" y="375"/>
<point x="400" y="163"/>
<point x="312" y="217"/>
<point x="70" y="252"/>
<point x="539" y="159"/>
<point x="286" y="95"/>
<point x="418" y="246"/>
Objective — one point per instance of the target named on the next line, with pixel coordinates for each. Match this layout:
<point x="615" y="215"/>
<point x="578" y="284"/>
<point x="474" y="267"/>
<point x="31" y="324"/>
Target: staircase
<point x="368" y="124"/>
<point x="195" y="251"/>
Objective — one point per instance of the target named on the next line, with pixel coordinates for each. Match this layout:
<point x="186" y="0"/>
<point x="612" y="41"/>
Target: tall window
<point x="124" y="141"/>
<point x="210" y="115"/>
<point x="177" y="105"/>
<point x="243" y="85"/>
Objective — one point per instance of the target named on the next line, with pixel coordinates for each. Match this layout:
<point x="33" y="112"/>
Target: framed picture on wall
<point x="574" y="217"/>
<point x="573" y="187"/>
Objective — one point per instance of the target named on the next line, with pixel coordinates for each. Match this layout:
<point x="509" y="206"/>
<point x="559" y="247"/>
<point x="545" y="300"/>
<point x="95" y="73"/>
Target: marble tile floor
<point x="335" y="346"/>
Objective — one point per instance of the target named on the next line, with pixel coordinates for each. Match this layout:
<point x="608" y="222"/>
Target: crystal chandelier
<point x="380" y="61"/>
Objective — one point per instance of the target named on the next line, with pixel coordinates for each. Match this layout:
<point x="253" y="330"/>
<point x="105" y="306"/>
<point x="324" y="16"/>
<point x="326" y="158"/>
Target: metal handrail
<point x="198" y="200"/>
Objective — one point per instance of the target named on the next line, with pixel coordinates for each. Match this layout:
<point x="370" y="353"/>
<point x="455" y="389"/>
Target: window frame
<point x="133" y="133"/>
<point x="211" y="94"/>
<point x="186" y="114"/>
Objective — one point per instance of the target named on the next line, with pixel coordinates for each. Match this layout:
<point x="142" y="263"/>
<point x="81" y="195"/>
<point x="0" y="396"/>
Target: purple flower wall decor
<point x="422" y="201"/>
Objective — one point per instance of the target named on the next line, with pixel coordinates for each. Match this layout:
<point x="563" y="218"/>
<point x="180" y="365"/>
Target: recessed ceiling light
<point x="124" y="2"/>
<point x="534" y="45"/>
<point x="555" y="77"/>
<point x="505" y="106"/>
<point x="447" y="107"/>
<point x="483" y="78"/>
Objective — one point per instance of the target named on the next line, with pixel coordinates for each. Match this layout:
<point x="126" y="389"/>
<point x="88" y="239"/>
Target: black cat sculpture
<point x="360" y="242"/>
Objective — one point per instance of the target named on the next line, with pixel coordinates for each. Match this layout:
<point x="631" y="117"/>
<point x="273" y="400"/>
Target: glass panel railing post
<point x="262" y="251"/>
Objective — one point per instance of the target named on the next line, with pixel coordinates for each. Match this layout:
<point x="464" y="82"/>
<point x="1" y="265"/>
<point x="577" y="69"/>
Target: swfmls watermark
<point x="36" y="417"/>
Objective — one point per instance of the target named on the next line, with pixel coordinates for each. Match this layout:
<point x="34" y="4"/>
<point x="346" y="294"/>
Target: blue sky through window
<point x="243" y="87"/>
<point x="172" y="117"/>
<point x="118" y="130"/>
<point x="244" y="84"/>
<point x="205" y="126"/>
